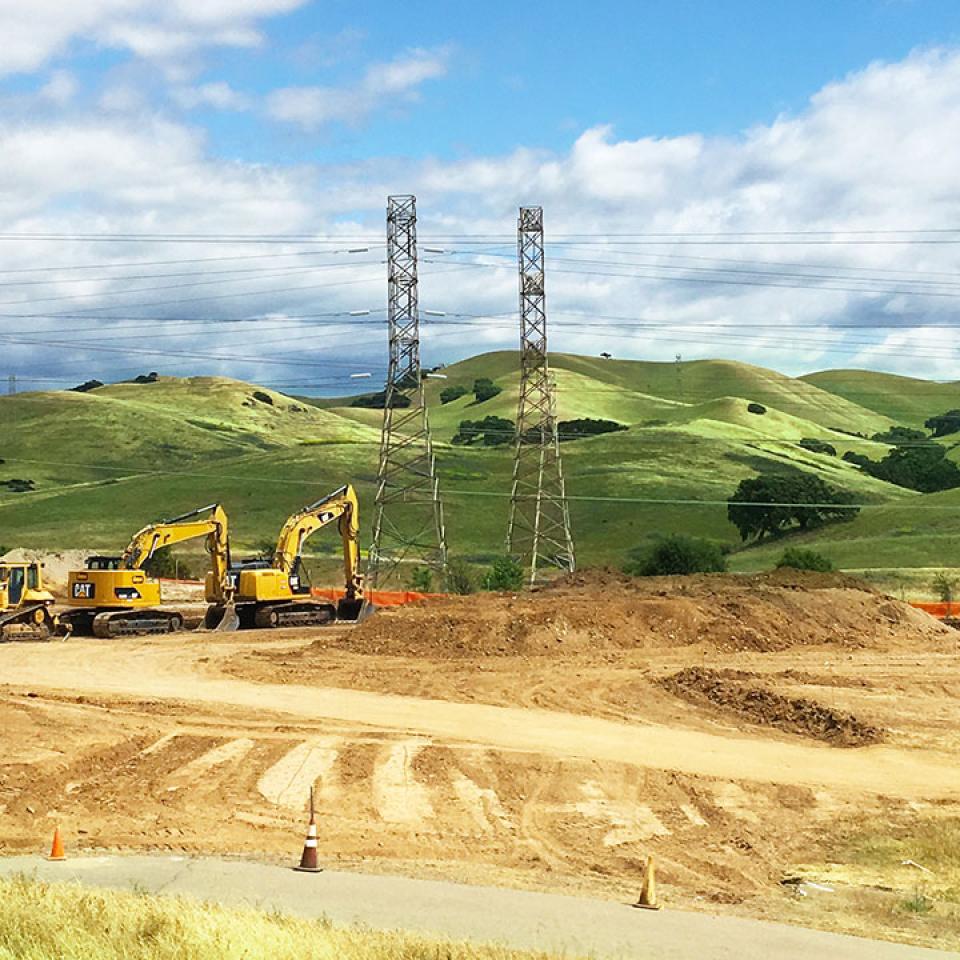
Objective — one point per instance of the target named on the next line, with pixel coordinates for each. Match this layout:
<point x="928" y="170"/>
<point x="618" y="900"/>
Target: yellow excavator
<point x="276" y="593"/>
<point x="25" y="604"/>
<point x="115" y="597"/>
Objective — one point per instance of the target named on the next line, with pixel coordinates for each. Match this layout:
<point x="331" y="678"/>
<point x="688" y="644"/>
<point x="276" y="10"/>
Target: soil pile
<point x="733" y="692"/>
<point x="604" y="610"/>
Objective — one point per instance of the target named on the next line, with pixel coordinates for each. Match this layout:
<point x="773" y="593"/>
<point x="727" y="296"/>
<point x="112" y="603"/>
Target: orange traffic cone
<point x="648" y="892"/>
<point x="56" y="851"/>
<point x="308" y="859"/>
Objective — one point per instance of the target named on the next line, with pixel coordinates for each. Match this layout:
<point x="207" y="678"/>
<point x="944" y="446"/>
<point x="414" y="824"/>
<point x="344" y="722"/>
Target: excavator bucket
<point x="355" y="610"/>
<point x="223" y="619"/>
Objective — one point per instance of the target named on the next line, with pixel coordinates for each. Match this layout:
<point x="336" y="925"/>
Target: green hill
<point x="905" y="400"/>
<point x="689" y="382"/>
<point x="104" y="463"/>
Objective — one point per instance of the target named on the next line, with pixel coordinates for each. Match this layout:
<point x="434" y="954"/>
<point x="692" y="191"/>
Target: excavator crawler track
<point x="295" y="614"/>
<point x="135" y="623"/>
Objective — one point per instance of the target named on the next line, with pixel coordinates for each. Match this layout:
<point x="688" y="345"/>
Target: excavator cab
<point x="25" y="605"/>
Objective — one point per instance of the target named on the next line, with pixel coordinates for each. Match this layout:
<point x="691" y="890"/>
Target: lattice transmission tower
<point x="539" y="527"/>
<point x="408" y="523"/>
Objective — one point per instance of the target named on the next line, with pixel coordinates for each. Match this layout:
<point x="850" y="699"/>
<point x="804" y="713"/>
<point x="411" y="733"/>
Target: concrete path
<point x="569" y="926"/>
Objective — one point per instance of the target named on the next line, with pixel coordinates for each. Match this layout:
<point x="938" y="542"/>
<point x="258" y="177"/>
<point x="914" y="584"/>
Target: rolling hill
<point x="105" y="462"/>
<point x="905" y="400"/>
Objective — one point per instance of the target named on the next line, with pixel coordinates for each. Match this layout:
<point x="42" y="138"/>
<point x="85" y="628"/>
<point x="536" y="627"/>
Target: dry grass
<point x="40" y="921"/>
<point x="899" y="881"/>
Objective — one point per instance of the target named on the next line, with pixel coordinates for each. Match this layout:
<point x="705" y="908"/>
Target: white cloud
<point x="382" y="86"/>
<point x="60" y="88"/>
<point x="37" y="31"/>
<point x="873" y="151"/>
<point x="217" y="94"/>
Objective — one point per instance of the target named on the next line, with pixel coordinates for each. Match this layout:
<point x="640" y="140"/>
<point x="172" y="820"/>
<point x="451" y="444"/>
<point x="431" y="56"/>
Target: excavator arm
<point x="209" y="522"/>
<point x="342" y="506"/>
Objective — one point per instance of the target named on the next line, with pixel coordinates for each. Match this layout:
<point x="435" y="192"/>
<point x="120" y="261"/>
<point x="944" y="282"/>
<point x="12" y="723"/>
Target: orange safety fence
<point x="937" y="608"/>
<point x="380" y="598"/>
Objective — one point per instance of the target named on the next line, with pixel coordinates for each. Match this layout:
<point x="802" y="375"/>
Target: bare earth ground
<point x="740" y="729"/>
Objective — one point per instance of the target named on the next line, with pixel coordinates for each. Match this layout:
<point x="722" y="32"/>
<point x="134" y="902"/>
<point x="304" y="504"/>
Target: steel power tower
<point x="539" y="526"/>
<point x="408" y="513"/>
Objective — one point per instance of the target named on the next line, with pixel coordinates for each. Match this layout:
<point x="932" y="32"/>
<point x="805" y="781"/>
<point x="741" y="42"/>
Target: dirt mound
<point x="734" y="692"/>
<point x="604" y="610"/>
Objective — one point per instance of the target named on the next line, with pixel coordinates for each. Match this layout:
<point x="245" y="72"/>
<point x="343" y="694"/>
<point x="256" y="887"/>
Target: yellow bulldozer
<point x="25" y="604"/>
<point x="277" y="592"/>
<point x="115" y="596"/>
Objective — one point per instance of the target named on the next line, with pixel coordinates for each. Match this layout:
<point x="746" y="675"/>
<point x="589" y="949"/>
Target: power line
<point x="158" y="263"/>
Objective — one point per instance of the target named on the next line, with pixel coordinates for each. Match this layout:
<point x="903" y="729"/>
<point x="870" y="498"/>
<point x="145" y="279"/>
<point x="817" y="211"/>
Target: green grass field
<point x="105" y="463"/>
<point x="41" y="921"/>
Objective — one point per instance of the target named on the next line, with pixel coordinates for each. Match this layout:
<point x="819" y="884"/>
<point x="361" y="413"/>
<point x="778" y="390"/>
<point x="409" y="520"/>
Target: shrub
<point x="796" y="558"/>
<point x="677" y="554"/>
<point x="87" y="386"/>
<point x="919" y="466"/>
<point x="17" y="485"/>
<point x="757" y="408"/>
<point x="448" y="394"/>
<point x="817" y="446"/>
<point x="944" y="423"/>
<point x="490" y="432"/>
<point x="505" y="573"/>
<point x="263" y="397"/>
<point x="944" y="586"/>
<point x="899" y="435"/>
<point x="459" y="577"/>
<point x="587" y="427"/>
<point x="485" y="389"/>
<point x="164" y="564"/>
<point x="851" y="456"/>
<point x="421" y="579"/>
<point x="377" y="401"/>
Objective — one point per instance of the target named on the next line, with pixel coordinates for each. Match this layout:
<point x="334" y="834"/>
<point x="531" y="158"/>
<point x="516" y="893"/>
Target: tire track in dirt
<point x="157" y="672"/>
<point x="287" y="783"/>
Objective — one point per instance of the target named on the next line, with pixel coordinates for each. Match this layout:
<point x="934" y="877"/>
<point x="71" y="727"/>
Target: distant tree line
<point x="495" y="431"/>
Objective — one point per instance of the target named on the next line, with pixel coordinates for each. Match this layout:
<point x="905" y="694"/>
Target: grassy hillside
<point x="919" y="532"/>
<point x="106" y="462"/>
<point x="689" y="382"/>
<point x="905" y="400"/>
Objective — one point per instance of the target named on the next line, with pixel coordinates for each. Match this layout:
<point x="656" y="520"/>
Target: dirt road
<point x="158" y="670"/>
<point x="738" y="729"/>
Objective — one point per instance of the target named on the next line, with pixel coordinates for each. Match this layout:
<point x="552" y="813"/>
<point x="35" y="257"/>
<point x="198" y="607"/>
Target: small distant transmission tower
<point x="539" y="527"/>
<point x="12" y="384"/>
<point x="408" y="513"/>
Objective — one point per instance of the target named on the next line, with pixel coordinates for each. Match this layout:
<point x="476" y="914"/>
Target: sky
<point x="198" y="187"/>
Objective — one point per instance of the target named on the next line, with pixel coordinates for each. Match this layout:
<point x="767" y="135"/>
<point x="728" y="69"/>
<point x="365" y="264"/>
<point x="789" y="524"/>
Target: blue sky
<point x="289" y="117"/>
<point x="538" y="74"/>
